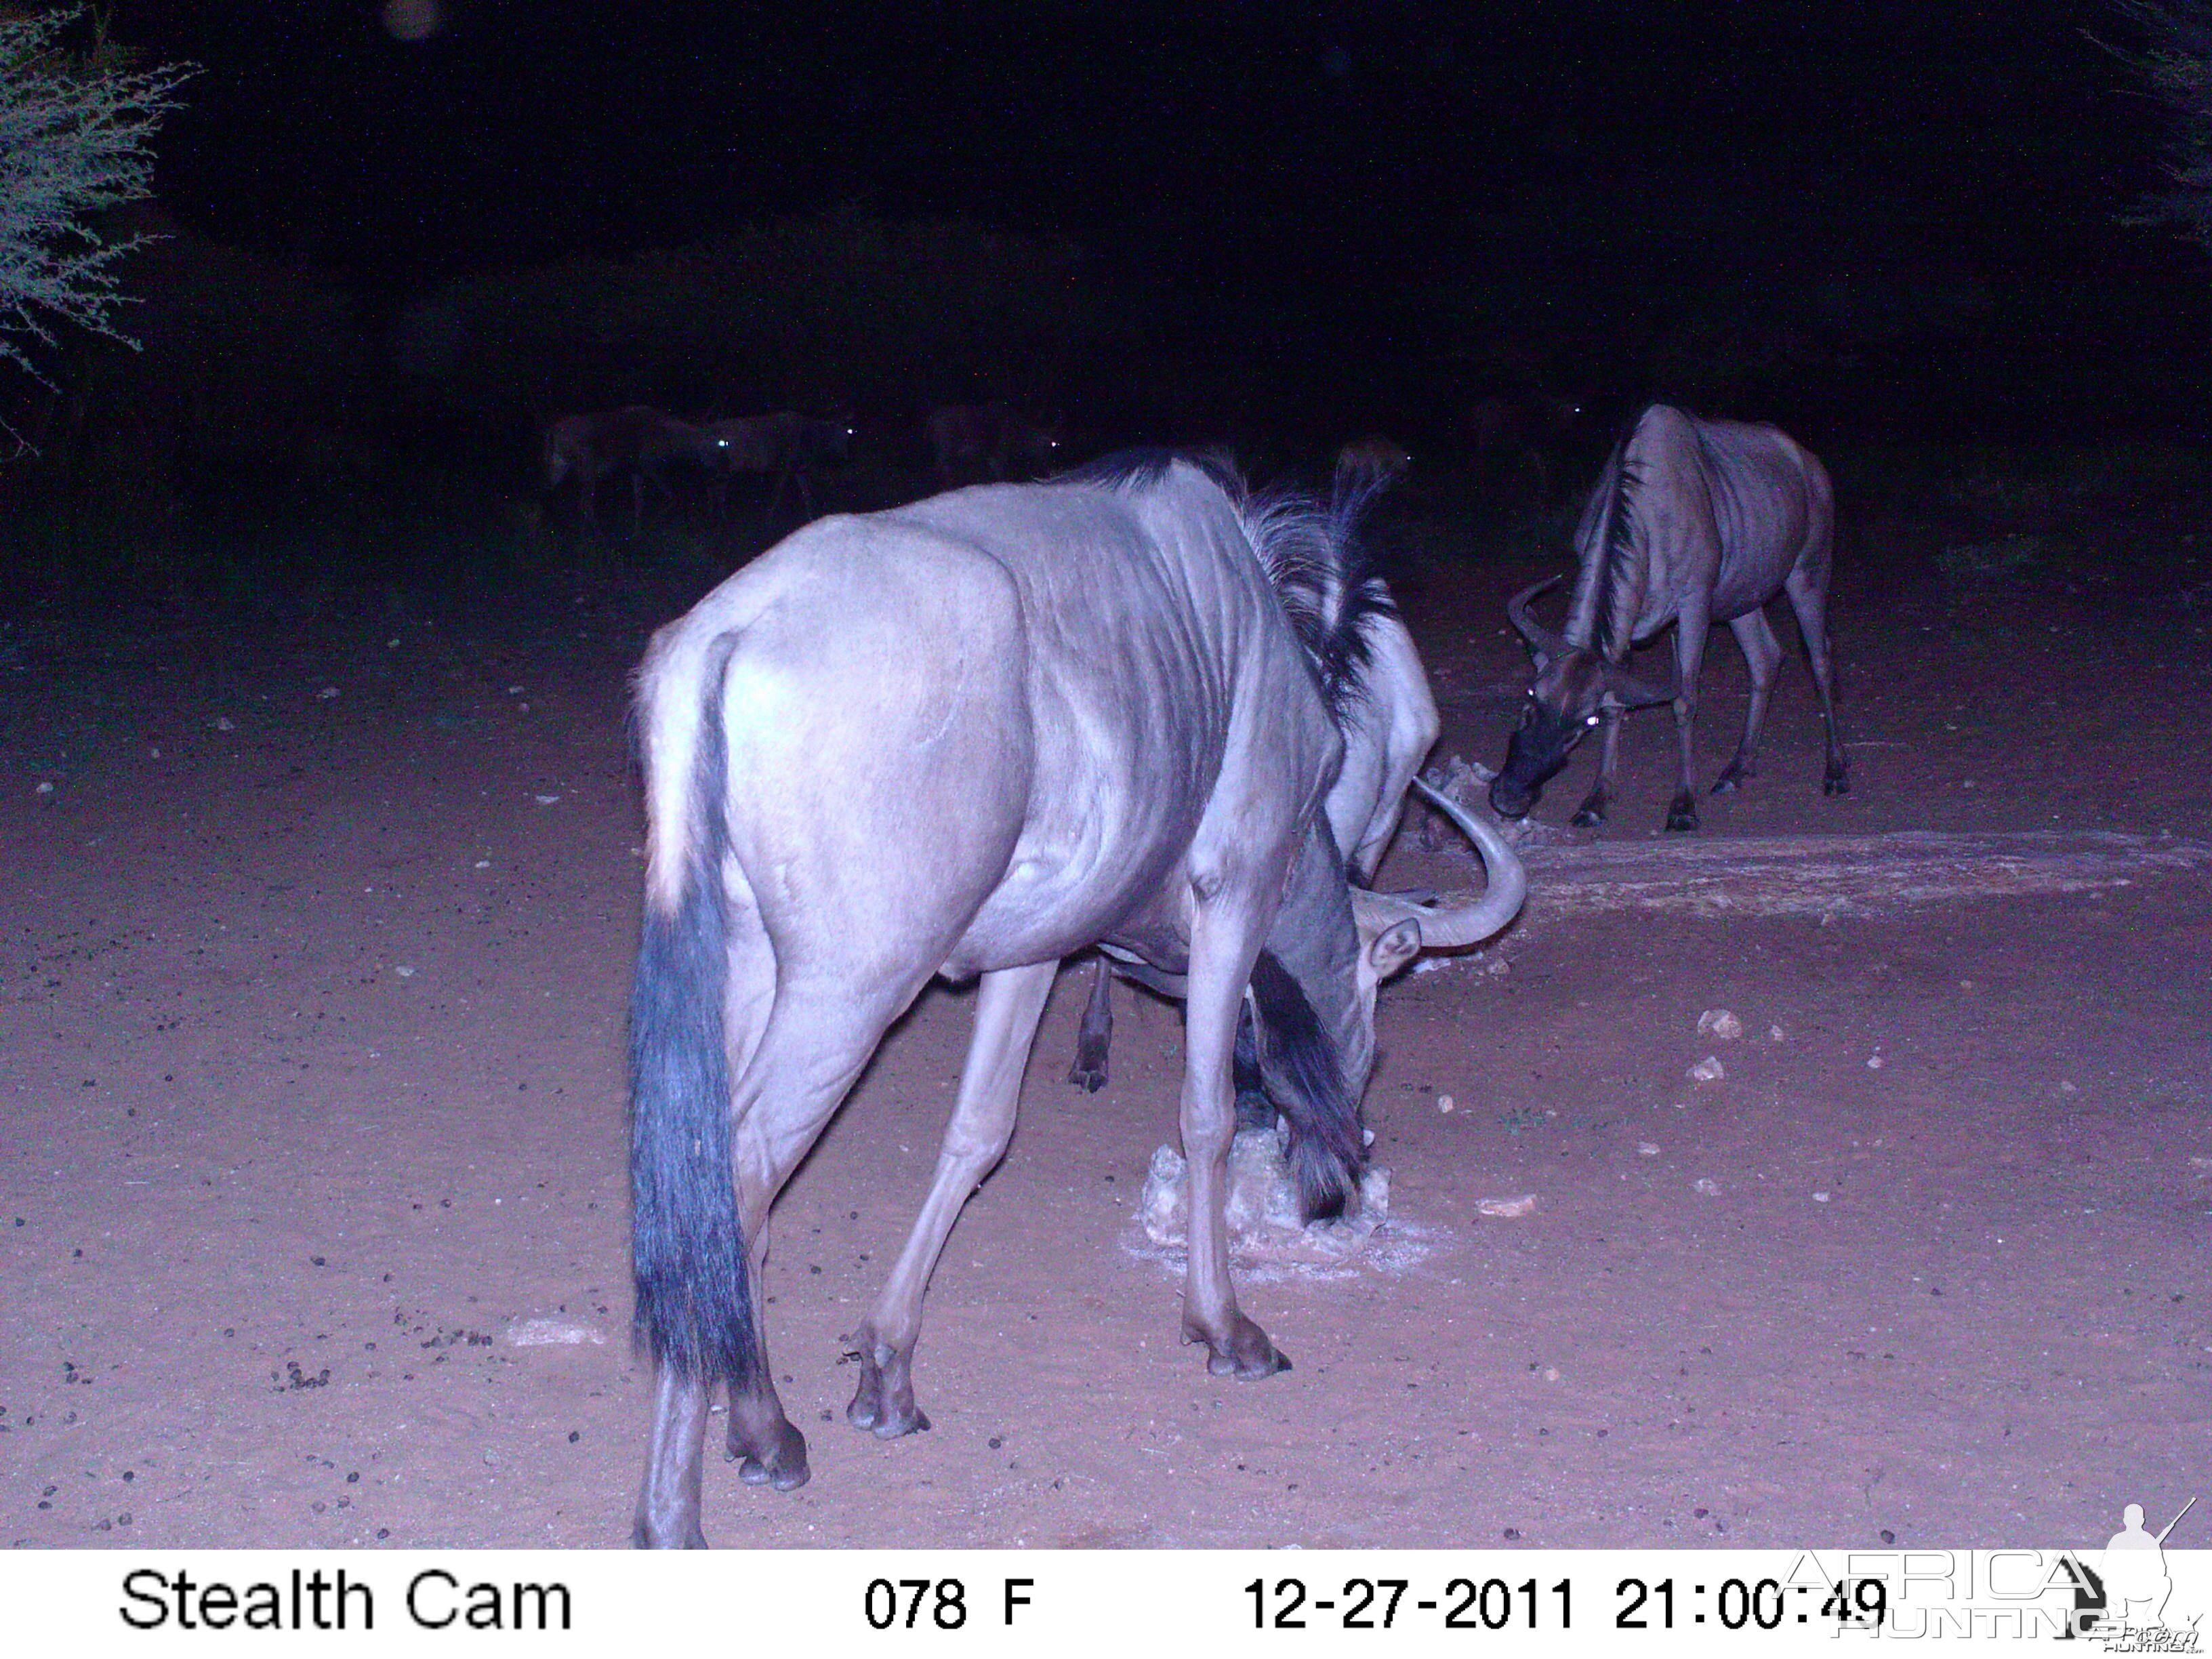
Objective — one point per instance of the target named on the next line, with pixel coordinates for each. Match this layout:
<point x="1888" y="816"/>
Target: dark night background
<point x="1884" y="224"/>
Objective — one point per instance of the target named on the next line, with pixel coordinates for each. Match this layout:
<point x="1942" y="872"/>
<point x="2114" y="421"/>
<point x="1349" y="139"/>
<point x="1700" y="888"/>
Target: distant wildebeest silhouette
<point x="971" y="443"/>
<point x="1693" y="522"/>
<point x="1518" y="433"/>
<point x="786" y="446"/>
<point x="638" y="441"/>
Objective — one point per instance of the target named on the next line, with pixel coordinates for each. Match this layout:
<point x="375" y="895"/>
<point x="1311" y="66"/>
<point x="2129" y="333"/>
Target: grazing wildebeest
<point x="1389" y="727"/>
<point x="1519" y="431"/>
<point x="973" y="442"/>
<point x="639" y="441"/>
<point x="1693" y="522"/>
<point x="786" y="446"/>
<point x="966" y="738"/>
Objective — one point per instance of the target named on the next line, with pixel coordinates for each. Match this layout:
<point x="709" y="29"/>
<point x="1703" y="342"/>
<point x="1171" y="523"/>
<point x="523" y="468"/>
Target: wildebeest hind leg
<point x="1008" y="1004"/>
<point x="1808" y="598"/>
<point x="1096" y="1037"/>
<point x="1762" y="654"/>
<point x="808" y="1057"/>
<point x="1689" y="658"/>
<point x="667" y="1514"/>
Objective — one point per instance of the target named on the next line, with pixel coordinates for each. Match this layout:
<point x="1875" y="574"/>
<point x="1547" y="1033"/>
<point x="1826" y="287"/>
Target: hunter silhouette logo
<point x="2130" y="1589"/>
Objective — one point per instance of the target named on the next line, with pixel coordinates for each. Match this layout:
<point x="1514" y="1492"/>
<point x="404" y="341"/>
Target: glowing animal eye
<point x="1592" y="720"/>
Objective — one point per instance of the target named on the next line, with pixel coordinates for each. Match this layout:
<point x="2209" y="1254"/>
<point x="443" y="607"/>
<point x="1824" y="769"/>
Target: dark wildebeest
<point x="965" y="738"/>
<point x="971" y="443"/>
<point x="1389" y="728"/>
<point x="638" y="441"/>
<point x="786" y="446"/>
<point x="1520" y="431"/>
<point x="1693" y="522"/>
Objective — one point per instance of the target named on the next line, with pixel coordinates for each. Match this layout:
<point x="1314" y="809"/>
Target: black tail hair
<point x="687" y="1248"/>
<point x="1305" y="1076"/>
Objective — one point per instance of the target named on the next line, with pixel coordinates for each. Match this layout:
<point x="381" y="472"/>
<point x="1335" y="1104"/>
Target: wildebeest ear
<point x="1394" y="947"/>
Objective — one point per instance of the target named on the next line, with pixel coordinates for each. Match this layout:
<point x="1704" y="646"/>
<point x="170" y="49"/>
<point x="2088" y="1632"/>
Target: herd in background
<point x="658" y="455"/>
<point x="1512" y="439"/>
<point x="1693" y="522"/>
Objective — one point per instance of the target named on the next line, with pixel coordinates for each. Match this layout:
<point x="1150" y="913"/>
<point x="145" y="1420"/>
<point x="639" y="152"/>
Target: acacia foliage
<point x="2177" y="62"/>
<point x="76" y="127"/>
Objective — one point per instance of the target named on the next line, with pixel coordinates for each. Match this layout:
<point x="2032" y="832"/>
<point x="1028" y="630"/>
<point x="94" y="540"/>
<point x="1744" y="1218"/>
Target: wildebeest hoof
<point x="885" y="1421"/>
<point x="776" y="1459"/>
<point x="883" y="1403"/>
<point x="1683" y="815"/>
<point x="1587" y="817"/>
<point x="1089" y="1080"/>
<point x="1243" y="1353"/>
<point x="1837" y="785"/>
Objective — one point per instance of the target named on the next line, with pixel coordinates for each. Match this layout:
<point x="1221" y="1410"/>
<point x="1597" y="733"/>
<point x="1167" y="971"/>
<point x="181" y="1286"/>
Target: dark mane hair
<point x="1614" y="531"/>
<point x="1319" y="564"/>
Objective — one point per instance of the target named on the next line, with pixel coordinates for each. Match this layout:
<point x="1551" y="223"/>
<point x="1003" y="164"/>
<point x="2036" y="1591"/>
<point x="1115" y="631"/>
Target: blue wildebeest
<point x="994" y="441"/>
<point x="965" y="738"/>
<point x="640" y="443"/>
<point x="786" y="446"/>
<point x="1693" y="522"/>
<point x="1385" y="711"/>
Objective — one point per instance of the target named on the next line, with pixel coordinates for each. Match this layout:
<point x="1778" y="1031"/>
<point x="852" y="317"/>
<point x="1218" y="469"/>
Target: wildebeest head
<point x="1313" y="993"/>
<point x="1575" y="690"/>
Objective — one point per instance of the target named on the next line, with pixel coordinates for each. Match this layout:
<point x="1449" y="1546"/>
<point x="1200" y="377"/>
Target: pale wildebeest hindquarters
<point x="1363" y="654"/>
<point x="966" y="738"/>
<point x="638" y="441"/>
<point x="1692" y="522"/>
<point x="971" y="443"/>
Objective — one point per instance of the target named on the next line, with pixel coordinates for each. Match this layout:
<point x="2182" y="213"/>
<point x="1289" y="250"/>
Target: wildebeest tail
<point x="1305" y="1078"/>
<point x="687" y="1246"/>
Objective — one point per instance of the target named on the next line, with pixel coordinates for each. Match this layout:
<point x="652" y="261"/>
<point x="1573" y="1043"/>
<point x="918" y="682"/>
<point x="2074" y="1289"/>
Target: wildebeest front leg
<point x="1225" y="941"/>
<point x="1590" y="814"/>
<point x="1689" y="658"/>
<point x="1008" y="1004"/>
<point x="1092" y="1042"/>
<point x="1762" y="654"/>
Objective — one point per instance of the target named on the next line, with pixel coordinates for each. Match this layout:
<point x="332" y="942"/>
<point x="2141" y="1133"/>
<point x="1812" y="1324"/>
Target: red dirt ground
<point x="317" y="953"/>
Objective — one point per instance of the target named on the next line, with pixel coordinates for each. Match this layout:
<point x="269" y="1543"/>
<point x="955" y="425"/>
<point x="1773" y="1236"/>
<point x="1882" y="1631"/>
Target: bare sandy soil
<point x="310" y="1048"/>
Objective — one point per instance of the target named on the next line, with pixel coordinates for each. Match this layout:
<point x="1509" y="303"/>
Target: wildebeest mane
<point x="1327" y="1146"/>
<point x="1319" y="564"/>
<point x="1615" y="535"/>
<point x="1141" y="466"/>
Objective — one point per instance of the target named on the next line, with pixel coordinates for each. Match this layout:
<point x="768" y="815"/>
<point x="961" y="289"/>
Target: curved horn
<point x="1540" y="639"/>
<point x="1637" y="692"/>
<point x="1466" y="918"/>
